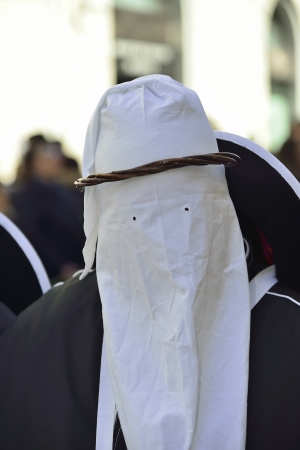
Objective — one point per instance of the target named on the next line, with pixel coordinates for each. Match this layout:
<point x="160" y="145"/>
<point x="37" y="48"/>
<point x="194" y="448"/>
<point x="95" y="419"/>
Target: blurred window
<point x="142" y="6"/>
<point x="280" y="120"/>
<point x="148" y="38"/>
<point x="282" y="70"/>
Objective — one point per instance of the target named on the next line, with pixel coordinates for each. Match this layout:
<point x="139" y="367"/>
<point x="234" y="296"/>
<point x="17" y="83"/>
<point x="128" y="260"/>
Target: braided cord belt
<point x="225" y="158"/>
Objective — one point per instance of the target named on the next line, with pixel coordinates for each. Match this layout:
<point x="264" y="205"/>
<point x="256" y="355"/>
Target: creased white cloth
<point x="171" y="272"/>
<point x="107" y="413"/>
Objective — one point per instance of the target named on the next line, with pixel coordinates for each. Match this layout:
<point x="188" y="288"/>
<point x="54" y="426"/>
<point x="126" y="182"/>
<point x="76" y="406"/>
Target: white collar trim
<point x="260" y="284"/>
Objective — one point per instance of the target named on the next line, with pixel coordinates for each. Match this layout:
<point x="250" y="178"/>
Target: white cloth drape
<point x="171" y="272"/>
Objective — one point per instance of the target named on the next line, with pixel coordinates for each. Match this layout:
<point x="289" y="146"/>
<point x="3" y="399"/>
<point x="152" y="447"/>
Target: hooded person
<point x="171" y="272"/>
<point x="266" y="197"/>
<point x="23" y="276"/>
<point x="58" y="341"/>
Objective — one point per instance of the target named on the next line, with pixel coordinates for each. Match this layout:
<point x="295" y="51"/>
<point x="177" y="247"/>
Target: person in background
<point x="6" y="206"/>
<point x="41" y="160"/>
<point x="289" y="153"/>
<point x="70" y="171"/>
<point x="44" y="210"/>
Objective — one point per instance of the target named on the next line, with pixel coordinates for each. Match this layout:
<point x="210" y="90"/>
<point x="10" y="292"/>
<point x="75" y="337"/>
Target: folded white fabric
<point x="171" y="272"/>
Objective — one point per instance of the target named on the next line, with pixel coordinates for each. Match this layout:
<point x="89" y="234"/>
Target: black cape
<point x="50" y="365"/>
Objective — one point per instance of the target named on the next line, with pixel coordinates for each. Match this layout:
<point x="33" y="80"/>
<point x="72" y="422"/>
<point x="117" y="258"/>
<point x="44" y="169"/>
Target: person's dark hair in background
<point x="45" y="208"/>
<point x="40" y="160"/>
<point x="289" y="153"/>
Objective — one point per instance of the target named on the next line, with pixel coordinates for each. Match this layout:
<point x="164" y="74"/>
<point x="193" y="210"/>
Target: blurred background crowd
<point x="58" y="56"/>
<point x="44" y="204"/>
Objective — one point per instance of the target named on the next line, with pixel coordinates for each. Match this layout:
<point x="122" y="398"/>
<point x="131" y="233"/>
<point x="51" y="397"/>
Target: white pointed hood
<point x="171" y="272"/>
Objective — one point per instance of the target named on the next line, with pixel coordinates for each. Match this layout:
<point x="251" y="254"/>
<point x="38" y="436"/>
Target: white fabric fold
<point x="90" y="228"/>
<point x="171" y="272"/>
<point x="91" y="206"/>
<point x="107" y="413"/>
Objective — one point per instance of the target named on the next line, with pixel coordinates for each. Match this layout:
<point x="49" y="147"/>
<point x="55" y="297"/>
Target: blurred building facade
<point x="58" y="57"/>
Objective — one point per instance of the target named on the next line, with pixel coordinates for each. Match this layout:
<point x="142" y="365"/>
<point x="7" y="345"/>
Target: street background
<point x="59" y="56"/>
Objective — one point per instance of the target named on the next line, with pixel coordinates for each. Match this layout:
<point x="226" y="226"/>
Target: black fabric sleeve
<point x="49" y="371"/>
<point x="274" y="373"/>
<point x="7" y="317"/>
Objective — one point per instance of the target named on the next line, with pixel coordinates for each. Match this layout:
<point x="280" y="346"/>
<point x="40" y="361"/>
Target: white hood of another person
<point x="171" y="272"/>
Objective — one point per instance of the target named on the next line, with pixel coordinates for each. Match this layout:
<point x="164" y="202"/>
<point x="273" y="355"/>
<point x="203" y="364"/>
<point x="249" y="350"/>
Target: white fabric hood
<point x="171" y="272"/>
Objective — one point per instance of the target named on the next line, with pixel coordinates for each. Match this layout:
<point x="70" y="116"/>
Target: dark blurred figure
<point x="45" y="210"/>
<point x="69" y="172"/>
<point x="6" y="206"/>
<point x="289" y="154"/>
<point x="41" y="160"/>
